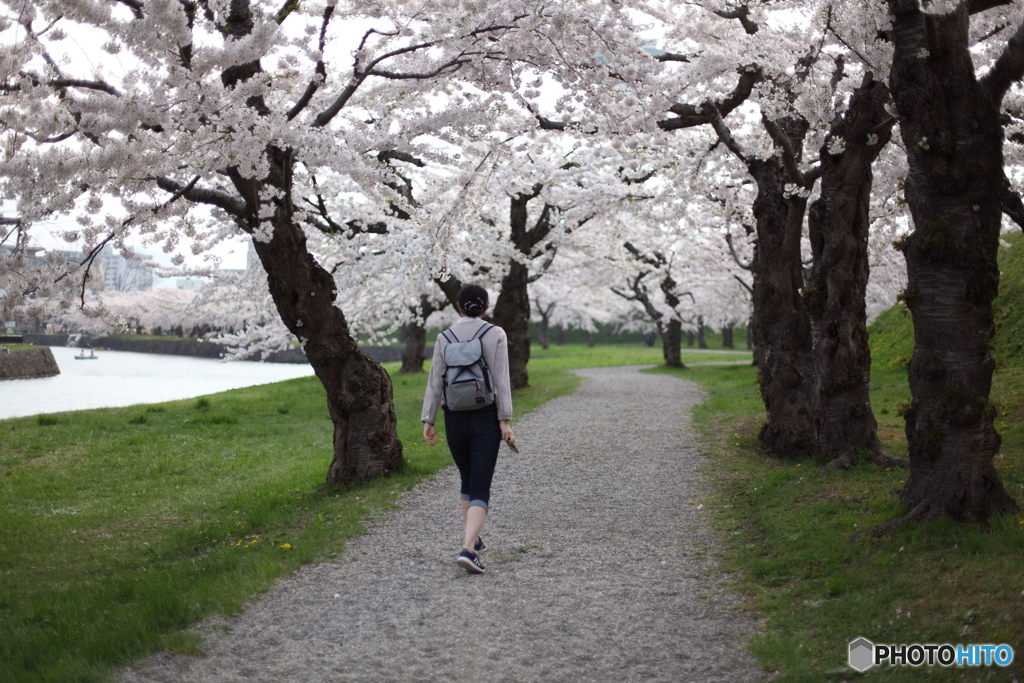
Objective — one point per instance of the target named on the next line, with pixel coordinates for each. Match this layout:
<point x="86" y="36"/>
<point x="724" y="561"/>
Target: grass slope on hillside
<point x="788" y="526"/>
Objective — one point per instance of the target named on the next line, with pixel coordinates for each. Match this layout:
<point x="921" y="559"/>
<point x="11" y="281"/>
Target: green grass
<point x="108" y="521"/>
<point x="788" y="527"/>
<point x="119" y="528"/>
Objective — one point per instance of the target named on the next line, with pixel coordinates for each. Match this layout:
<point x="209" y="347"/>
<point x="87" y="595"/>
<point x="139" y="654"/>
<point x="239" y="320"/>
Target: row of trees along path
<point x="219" y="114"/>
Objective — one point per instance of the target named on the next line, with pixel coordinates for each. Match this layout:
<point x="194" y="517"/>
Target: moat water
<point x="122" y="378"/>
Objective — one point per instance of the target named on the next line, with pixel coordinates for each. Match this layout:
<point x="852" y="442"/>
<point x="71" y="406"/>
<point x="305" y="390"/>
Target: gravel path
<point x="596" y="569"/>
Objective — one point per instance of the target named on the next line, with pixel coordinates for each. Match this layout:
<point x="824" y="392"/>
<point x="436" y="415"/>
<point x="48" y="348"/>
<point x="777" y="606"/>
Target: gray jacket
<point x="495" y="346"/>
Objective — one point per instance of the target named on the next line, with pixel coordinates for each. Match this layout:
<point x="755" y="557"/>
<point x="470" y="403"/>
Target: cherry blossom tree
<point x="246" y="109"/>
<point x="951" y="124"/>
<point x="800" y="83"/>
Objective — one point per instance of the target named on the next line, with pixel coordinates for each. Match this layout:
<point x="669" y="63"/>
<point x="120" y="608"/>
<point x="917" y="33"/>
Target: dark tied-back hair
<point x="473" y="300"/>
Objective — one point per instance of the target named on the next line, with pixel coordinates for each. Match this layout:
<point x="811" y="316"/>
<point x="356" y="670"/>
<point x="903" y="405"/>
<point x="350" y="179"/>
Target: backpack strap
<point x="450" y="335"/>
<point x="484" y="329"/>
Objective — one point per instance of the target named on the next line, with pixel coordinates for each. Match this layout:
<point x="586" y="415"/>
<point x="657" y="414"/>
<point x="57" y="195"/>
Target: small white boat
<point x="82" y="356"/>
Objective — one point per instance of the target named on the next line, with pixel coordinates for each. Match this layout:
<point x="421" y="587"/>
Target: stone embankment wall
<point x="200" y="349"/>
<point x="25" y="363"/>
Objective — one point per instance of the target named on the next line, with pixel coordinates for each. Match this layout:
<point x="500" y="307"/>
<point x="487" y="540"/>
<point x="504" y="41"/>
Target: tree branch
<point x="725" y="135"/>
<point x="135" y="6"/>
<point x="743" y="14"/>
<point x="451" y="65"/>
<point x="976" y="6"/>
<point x="88" y="261"/>
<point x="360" y="75"/>
<point x="671" y="57"/>
<point x="735" y="256"/>
<point x="641" y="256"/>
<point x="320" y="70"/>
<point x="1012" y="206"/>
<point x="287" y="8"/>
<point x="62" y="83"/>
<point x="222" y="200"/>
<point x="688" y="115"/>
<point x="789" y="159"/>
<point x="745" y="285"/>
<point x="1007" y="70"/>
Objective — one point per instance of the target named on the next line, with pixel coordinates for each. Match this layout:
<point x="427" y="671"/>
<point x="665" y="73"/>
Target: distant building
<point x="124" y="275"/>
<point x="191" y="284"/>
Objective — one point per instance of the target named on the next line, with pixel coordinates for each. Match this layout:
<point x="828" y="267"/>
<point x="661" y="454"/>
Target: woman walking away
<point x="469" y="379"/>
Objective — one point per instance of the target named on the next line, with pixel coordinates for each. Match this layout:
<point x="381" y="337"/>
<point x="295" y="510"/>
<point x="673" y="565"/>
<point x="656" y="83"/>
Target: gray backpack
<point x="467" y="379"/>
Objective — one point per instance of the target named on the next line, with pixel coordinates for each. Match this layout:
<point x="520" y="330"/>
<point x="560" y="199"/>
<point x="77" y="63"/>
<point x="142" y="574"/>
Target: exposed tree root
<point x="919" y="511"/>
<point x="843" y="462"/>
<point x="883" y="459"/>
<point x="878" y="456"/>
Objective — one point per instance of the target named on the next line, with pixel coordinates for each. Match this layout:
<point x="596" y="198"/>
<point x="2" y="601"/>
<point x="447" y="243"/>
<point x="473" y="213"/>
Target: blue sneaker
<point x="469" y="561"/>
<point x="479" y="545"/>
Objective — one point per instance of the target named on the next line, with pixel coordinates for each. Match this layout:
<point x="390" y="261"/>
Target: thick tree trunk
<point x="416" y="336"/>
<point x="561" y="335"/>
<point x="950" y="127"/>
<point x="671" y="340"/>
<point x="727" y="342"/>
<point x="512" y="313"/>
<point x="838" y="223"/>
<point x="415" y="347"/>
<point x="543" y="333"/>
<point x="782" y="328"/>
<point x="590" y="339"/>
<point x="689" y="337"/>
<point x="702" y="342"/>
<point x="359" y="397"/>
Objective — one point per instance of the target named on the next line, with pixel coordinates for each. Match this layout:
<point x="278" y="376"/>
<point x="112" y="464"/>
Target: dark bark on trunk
<point x="512" y="313"/>
<point x="782" y="328"/>
<point x="543" y="334"/>
<point x="727" y="342"/>
<point x="689" y="337"/>
<point x="838" y="223"/>
<point x="416" y="338"/>
<point x="702" y="342"/>
<point x="512" y="310"/>
<point x="671" y="339"/>
<point x="950" y="126"/>
<point x="359" y="397"/>
<point x="561" y="335"/>
<point x="415" y="348"/>
<point x="590" y="339"/>
<point x="544" y="326"/>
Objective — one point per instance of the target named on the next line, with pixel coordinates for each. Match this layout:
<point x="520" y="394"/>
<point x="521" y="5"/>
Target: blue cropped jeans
<point x="474" y="438"/>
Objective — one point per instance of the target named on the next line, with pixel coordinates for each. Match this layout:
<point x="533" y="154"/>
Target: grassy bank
<point x="121" y="527"/>
<point x="788" y="527"/>
<point x="788" y="531"/>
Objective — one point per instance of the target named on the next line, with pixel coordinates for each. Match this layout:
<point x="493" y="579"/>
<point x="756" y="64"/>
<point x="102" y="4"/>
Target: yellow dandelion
<point x="286" y="546"/>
